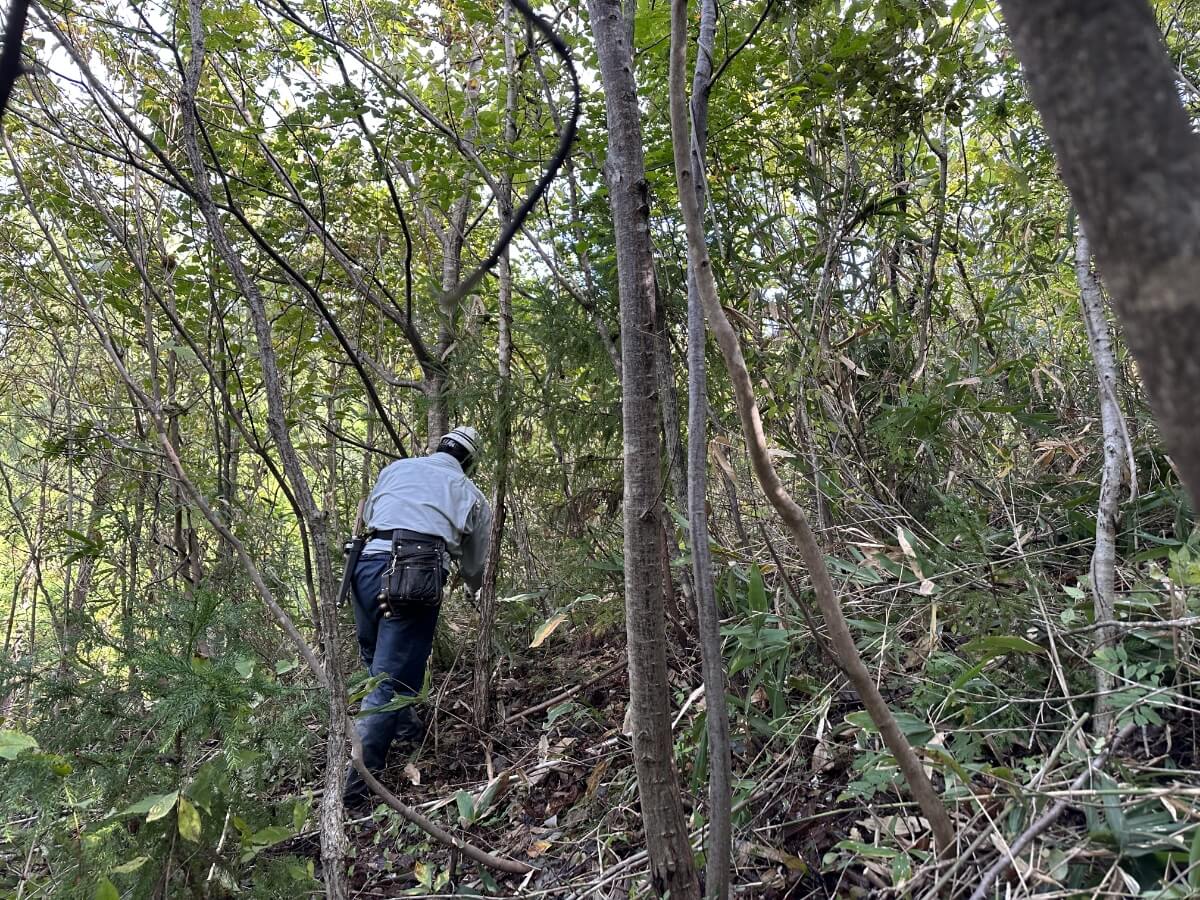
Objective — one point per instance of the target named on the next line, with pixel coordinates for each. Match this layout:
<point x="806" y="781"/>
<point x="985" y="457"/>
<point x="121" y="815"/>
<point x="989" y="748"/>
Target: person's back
<point x="431" y="495"/>
<point x="421" y="514"/>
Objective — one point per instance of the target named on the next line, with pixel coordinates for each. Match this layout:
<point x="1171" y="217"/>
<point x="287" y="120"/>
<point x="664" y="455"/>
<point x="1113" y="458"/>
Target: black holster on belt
<point x="415" y="577"/>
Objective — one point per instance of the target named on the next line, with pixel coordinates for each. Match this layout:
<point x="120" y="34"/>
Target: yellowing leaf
<point x="189" y="821"/>
<point x="537" y="848"/>
<point x="106" y="890"/>
<point x="852" y="365"/>
<point x="424" y="874"/>
<point x="547" y="629"/>
<point x="716" y="452"/>
<point x="162" y="806"/>
<point x="593" y="782"/>
<point x="907" y="547"/>
<point x="132" y="866"/>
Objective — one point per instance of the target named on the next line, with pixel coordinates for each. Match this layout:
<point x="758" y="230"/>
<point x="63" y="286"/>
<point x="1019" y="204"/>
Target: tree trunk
<point x="487" y="596"/>
<point x="333" y="838"/>
<point x="75" y="613"/>
<point x="791" y="514"/>
<point x="1104" y="557"/>
<point x="1102" y="80"/>
<point x="452" y="238"/>
<point x="674" y="460"/>
<point x="671" y="865"/>
<point x="720" y="765"/>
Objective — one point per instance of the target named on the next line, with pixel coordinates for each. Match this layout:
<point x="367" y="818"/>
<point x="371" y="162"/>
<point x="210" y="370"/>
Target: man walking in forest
<point x="422" y="513"/>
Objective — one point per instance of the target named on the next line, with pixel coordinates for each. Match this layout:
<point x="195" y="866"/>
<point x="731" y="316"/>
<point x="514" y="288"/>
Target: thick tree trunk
<point x="1104" y="556"/>
<point x="1105" y="87"/>
<point x="756" y="444"/>
<point x="671" y="866"/>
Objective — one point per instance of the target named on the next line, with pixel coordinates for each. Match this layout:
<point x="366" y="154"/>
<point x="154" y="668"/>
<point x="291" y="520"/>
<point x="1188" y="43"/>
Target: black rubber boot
<point x="410" y="729"/>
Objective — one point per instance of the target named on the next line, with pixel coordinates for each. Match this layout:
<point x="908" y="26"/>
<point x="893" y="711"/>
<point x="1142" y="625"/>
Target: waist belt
<point x="403" y="535"/>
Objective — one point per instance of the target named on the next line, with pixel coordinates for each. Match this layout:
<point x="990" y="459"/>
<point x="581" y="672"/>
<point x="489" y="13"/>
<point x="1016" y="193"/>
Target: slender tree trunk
<point x="452" y="238"/>
<point x="791" y="514"/>
<point x="333" y="838"/>
<point x="675" y="460"/>
<point x="674" y="454"/>
<point x="75" y="614"/>
<point x="1104" y="557"/>
<point x="1102" y="80"/>
<point x="671" y="865"/>
<point x="720" y="765"/>
<point x="484" y="655"/>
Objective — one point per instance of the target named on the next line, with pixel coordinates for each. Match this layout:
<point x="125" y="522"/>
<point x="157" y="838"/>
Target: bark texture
<point x="720" y="763"/>
<point x="671" y="866"/>
<point x="756" y="444"/>
<point x="1104" y="556"/>
<point x="1102" y="80"/>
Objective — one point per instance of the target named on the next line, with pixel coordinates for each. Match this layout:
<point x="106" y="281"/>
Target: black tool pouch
<point x="414" y="579"/>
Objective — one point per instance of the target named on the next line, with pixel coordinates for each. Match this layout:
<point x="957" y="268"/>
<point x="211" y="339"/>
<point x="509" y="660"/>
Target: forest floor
<point x="556" y="789"/>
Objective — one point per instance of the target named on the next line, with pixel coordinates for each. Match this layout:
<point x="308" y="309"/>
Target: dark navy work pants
<point x="397" y="647"/>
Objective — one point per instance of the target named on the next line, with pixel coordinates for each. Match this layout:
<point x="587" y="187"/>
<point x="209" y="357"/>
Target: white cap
<point x="466" y="437"/>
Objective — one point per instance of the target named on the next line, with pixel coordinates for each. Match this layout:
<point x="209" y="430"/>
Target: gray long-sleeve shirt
<point x="430" y="494"/>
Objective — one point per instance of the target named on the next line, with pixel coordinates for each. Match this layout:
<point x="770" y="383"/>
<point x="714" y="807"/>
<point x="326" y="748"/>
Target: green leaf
<point x="1194" y="861"/>
<point x="106" y="890"/>
<point x="995" y="645"/>
<point x="189" y="821"/>
<point x="132" y="866"/>
<point x="300" y="810"/>
<point x="164" y="805"/>
<point x="557" y="712"/>
<point x="757" y="595"/>
<point x="146" y="804"/>
<point x="13" y="743"/>
<point x="867" y="849"/>
<point x="916" y="730"/>
<point x="489" y="794"/>
<point x="466" y="806"/>
<point x="272" y="834"/>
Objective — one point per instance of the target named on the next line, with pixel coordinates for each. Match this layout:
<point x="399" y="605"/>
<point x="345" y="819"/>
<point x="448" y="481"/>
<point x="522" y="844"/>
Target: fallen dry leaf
<point x="593" y="781"/>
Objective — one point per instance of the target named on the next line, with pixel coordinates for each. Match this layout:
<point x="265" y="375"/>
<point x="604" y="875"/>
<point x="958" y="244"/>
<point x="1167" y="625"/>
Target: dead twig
<point x="1048" y="818"/>
<point x="567" y="694"/>
<point x="1187" y="622"/>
